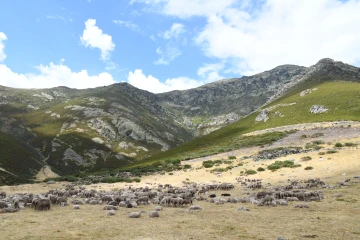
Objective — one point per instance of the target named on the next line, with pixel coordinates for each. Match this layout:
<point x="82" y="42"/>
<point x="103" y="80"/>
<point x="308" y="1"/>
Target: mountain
<point x="76" y="131"/>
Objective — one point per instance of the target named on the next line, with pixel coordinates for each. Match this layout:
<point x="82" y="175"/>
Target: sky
<point x="164" y="45"/>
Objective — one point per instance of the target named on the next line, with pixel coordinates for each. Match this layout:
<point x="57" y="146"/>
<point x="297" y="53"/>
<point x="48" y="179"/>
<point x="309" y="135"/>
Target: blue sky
<point x="163" y="45"/>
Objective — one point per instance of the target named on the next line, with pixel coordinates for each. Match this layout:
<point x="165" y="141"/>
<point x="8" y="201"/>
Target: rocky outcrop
<point x="263" y="116"/>
<point x="318" y="109"/>
<point x="305" y="92"/>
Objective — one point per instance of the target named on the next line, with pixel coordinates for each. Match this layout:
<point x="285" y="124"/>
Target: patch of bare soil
<point x="45" y="172"/>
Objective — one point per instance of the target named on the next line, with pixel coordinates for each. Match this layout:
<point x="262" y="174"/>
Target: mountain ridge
<point x="81" y="130"/>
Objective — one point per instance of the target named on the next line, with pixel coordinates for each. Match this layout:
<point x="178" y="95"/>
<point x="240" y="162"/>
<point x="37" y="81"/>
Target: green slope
<point x="17" y="158"/>
<point x="342" y="99"/>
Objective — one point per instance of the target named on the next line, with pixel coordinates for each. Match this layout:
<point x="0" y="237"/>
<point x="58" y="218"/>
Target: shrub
<point x="306" y="158"/>
<point x="303" y="136"/>
<point x="350" y="144"/>
<point x="208" y="164"/>
<point x="240" y="164"/>
<point x="232" y="157"/>
<point x="227" y="162"/>
<point x="322" y="153"/>
<point x="260" y="169"/>
<point x="170" y="173"/>
<point x="315" y="135"/>
<point x="250" y="172"/>
<point x="309" y="168"/>
<point x="317" y="142"/>
<point x="338" y="145"/>
<point x="331" y="151"/>
<point x="280" y="164"/>
<point x="187" y="166"/>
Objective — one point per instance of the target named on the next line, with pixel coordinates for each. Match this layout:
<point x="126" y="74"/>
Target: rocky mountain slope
<point x="106" y="127"/>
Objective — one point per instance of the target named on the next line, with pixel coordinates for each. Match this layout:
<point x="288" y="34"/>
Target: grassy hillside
<point x="341" y="98"/>
<point x="17" y="158"/>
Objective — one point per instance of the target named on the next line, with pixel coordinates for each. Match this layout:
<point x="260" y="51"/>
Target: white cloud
<point x="254" y="36"/>
<point x="189" y="8"/>
<point x="170" y="54"/>
<point x="94" y="37"/>
<point x="174" y="32"/>
<point x="152" y="84"/>
<point x="130" y="25"/>
<point x="2" y="46"/>
<point x="53" y="75"/>
<point x="284" y="32"/>
<point x="62" y="18"/>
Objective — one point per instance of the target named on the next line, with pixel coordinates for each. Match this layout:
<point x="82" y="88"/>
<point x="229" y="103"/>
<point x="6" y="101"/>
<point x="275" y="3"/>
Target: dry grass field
<point x="330" y="218"/>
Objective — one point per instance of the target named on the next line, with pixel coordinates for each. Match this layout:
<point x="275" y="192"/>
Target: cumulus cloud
<point x="2" y="46"/>
<point x="254" y="36"/>
<point x="174" y="32"/>
<point x="94" y="37"/>
<point x="168" y="55"/>
<point x="188" y="8"/>
<point x="53" y="75"/>
<point x="140" y="80"/>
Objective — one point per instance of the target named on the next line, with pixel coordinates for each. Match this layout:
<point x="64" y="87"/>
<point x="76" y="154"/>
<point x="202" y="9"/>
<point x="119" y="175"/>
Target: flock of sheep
<point x="168" y="196"/>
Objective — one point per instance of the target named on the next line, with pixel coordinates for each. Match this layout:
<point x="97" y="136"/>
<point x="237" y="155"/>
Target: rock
<point x="305" y="92"/>
<point x="98" y="140"/>
<point x="51" y="182"/>
<point x="263" y="116"/>
<point x="318" y="109"/>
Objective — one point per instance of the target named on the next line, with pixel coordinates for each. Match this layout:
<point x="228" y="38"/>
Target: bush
<point x="187" y="166"/>
<point x="280" y="164"/>
<point x="338" y="145"/>
<point x="322" y="153"/>
<point x="303" y="136"/>
<point x="208" y="164"/>
<point x="306" y="158"/>
<point x="317" y="142"/>
<point x="232" y="157"/>
<point x="240" y="164"/>
<point x="227" y="162"/>
<point x="350" y="144"/>
<point x="260" y="169"/>
<point x="315" y="135"/>
<point x="331" y="151"/>
<point x="309" y="168"/>
<point x="250" y="172"/>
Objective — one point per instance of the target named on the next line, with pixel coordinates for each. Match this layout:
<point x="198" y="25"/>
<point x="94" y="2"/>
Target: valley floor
<point x="330" y="218"/>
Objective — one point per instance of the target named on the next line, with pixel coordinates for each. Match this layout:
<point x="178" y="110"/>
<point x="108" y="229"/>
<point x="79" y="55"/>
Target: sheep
<point x="111" y="213"/>
<point x="135" y="214"/>
<point x="195" y="207"/>
<point x="158" y="208"/>
<point x="76" y="206"/>
<point x="110" y="207"/>
<point x="153" y="214"/>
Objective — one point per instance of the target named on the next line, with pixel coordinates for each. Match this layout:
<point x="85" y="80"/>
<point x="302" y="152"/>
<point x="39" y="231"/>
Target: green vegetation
<point x="309" y="168"/>
<point x="341" y="98"/>
<point x="338" y="145"/>
<point x="20" y="160"/>
<point x="306" y="158"/>
<point x="260" y="169"/>
<point x="331" y="151"/>
<point x="350" y="144"/>
<point x="250" y="172"/>
<point x="232" y="157"/>
<point x="282" y="164"/>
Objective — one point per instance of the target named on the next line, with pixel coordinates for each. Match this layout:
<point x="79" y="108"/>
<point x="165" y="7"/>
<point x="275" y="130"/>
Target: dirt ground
<point x="331" y="218"/>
